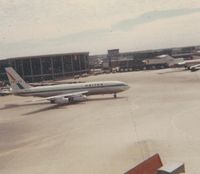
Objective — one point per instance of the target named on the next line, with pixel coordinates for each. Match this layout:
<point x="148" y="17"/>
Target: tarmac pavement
<point x="160" y="113"/>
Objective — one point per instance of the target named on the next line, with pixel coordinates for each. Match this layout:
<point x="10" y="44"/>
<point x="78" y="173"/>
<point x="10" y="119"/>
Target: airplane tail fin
<point x="16" y="82"/>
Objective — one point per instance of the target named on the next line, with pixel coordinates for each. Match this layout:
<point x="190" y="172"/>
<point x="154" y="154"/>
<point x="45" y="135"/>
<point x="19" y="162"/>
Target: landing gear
<point x="71" y="100"/>
<point x="115" y="95"/>
<point x="52" y="101"/>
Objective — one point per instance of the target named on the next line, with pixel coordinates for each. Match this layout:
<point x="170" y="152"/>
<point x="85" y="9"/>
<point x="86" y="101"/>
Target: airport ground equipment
<point x="150" y="166"/>
<point x="172" y="168"/>
<point x="154" y="165"/>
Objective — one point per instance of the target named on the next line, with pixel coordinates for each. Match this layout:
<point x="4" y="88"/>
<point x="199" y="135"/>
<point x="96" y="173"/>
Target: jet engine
<point x="64" y="100"/>
<point x="79" y="98"/>
<point x="61" y="100"/>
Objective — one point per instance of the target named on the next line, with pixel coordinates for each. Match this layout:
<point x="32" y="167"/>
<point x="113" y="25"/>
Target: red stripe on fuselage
<point x="11" y="76"/>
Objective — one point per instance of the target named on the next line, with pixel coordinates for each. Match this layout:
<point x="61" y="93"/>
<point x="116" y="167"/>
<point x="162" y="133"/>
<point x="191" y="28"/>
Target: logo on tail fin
<point x="10" y="75"/>
<point x="20" y="86"/>
<point x="16" y="82"/>
<point x="13" y="80"/>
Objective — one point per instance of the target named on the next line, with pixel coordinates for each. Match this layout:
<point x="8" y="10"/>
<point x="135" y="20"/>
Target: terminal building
<point x="47" y="67"/>
<point x="134" y="59"/>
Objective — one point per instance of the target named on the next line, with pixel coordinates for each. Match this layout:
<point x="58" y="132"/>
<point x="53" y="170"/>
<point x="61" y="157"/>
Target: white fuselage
<point x="92" y="88"/>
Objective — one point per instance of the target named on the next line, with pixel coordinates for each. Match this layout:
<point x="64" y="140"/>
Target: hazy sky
<point x="30" y="27"/>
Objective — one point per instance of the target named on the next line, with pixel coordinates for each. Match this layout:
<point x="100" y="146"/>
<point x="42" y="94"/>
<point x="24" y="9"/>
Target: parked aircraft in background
<point x="162" y="61"/>
<point x="63" y="93"/>
<point x="195" y="68"/>
<point x="188" y="64"/>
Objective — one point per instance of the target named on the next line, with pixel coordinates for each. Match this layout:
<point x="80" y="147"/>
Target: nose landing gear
<point x="115" y="95"/>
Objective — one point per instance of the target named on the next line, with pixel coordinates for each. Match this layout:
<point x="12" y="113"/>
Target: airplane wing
<point x="57" y="97"/>
<point x="195" y="68"/>
<point x="66" y="95"/>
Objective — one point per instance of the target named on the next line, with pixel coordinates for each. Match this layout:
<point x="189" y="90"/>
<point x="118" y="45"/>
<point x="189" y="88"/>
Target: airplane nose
<point x="127" y="86"/>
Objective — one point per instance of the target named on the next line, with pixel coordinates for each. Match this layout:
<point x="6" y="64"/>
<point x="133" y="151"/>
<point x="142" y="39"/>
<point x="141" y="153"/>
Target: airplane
<point x="63" y="93"/>
<point x="195" y="68"/>
<point x="189" y="63"/>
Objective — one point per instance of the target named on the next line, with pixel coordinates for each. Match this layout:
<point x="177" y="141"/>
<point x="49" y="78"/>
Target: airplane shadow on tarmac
<point x="10" y="106"/>
<point x="55" y="106"/>
<point x="105" y="98"/>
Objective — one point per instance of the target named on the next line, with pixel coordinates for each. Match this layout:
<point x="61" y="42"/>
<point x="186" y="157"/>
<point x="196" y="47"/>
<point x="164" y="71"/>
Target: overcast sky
<point x="30" y="27"/>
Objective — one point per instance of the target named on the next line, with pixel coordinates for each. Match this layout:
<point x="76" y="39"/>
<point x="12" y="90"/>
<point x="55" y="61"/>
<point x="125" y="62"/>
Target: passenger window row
<point x="92" y="85"/>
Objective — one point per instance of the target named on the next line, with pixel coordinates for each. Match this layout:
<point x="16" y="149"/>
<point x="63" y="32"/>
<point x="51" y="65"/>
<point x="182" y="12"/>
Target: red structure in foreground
<point x="149" y="166"/>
